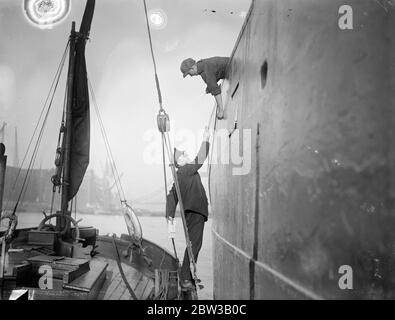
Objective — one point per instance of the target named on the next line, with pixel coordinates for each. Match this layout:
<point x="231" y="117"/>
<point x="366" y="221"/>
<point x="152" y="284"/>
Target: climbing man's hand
<point x="220" y="106"/>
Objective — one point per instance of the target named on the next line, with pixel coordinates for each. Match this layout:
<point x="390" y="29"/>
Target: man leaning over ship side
<point x="211" y="70"/>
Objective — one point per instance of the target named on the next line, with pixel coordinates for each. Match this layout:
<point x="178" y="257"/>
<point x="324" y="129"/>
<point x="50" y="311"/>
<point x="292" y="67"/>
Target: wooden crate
<point x="63" y="268"/>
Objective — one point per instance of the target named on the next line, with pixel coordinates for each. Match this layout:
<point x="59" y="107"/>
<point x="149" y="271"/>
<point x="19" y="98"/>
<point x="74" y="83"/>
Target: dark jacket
<point x="212" y="70"/>
<point x="192" y="191"/>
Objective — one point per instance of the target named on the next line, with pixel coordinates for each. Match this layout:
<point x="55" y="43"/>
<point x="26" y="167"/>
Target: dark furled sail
<point x="80" y="133"/>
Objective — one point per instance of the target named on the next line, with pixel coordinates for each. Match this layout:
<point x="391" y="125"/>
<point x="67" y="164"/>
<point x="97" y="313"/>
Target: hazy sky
<point x="121" y="72"/>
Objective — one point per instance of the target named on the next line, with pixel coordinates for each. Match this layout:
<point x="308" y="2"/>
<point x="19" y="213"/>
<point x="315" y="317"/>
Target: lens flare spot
<point x="45" y="14"/>
<point x="157" y="19"/>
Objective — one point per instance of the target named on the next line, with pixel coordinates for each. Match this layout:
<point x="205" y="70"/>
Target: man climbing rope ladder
<point x="195" y="203"/>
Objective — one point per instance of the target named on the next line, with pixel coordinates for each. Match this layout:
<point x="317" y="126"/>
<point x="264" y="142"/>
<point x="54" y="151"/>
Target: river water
<point x="154" y="229"/>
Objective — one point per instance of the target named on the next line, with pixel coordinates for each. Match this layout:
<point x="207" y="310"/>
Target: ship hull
<point x="312" y="199"/>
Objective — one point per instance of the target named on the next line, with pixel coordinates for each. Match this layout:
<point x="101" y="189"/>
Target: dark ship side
<point x="308" y="213"/>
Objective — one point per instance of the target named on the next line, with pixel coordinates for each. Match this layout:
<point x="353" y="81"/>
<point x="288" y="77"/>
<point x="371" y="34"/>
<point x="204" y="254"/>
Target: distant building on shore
<point x="94" y="196"/>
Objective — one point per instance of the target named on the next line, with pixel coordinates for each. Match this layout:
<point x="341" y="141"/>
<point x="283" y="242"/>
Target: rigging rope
<point x="166" y="141"/>
<point x="164" y="171"/>
<point x="211" y="150"/>
<point x="189" y="244"/>
<point x="131" y="218"/>
<point x="118" y="185"/>
<point x="117" y="182"/>
<point x="28" y="174"/>
<point x="56" y="179"/>
<point x="153" y="57"/>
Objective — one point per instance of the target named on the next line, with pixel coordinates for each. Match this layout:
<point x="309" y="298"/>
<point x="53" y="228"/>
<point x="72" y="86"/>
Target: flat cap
<point x="186" y="65"/>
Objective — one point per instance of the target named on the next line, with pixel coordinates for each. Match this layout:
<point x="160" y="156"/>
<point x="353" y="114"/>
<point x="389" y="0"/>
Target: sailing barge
<point x="68" y="261"/>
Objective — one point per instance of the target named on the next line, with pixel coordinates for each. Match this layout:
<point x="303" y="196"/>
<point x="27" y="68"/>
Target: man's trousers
<point x="195" y="223"/>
